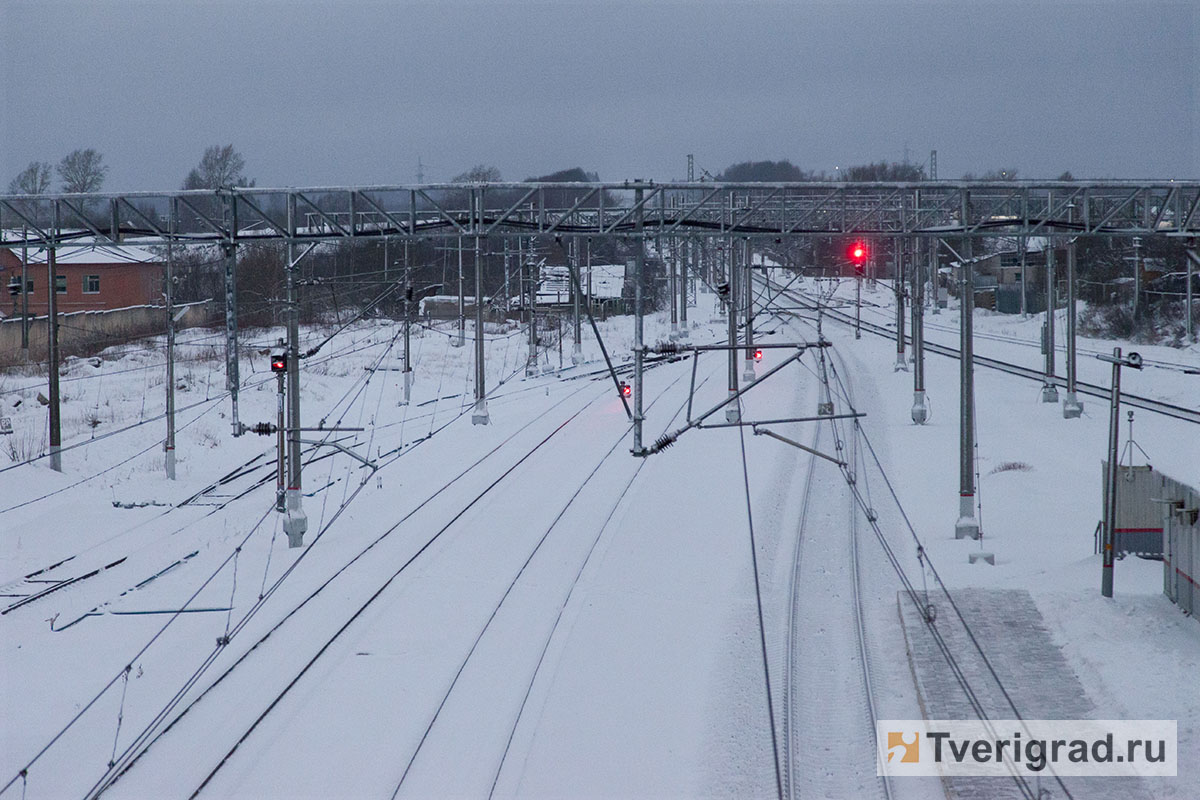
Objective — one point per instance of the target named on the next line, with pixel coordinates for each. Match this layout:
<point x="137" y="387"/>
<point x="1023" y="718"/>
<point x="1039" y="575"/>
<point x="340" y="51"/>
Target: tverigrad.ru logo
<point x="904" y="747"/>
<point x="1026" y="747"/>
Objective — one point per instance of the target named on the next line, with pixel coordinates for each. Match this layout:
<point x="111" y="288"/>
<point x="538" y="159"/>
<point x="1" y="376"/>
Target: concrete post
<point x="1024" y="282"/>
<point x="232" y="377"/>
<point x="920" y="411"/>
<point x="591" y="306"/>
<point x="688" y="252"/>
<point x="52" y="346"/>
<point x="1193" y="260"/>
<point x="295" y="524"/>
<point x="638" y="331"/>
<point x="479" y="416"/>
<point x="1137" y="277"/>
<point x="280" y="445"/>
<point x="934" y="288"/>
<point x="748" y="291"/>
<point x="967" y="525"/>
<point x="24" y="295"/>
<point x="1072" y="407"/>
<point x="168" y="299"/>
<point x="577" y="349"/>
<point x="1110" y="479"/>
<point x="1049" y="381"/>
<point x="858" y="279"/>
<point x="898" y="283"/>
<point x="460" y="340"/>
<point x="732" y="411"/>
<point x="408" y="312"/>
<point x="672" y="268"/>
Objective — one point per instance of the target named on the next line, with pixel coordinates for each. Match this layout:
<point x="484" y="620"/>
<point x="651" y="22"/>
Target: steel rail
<point x="1092" y="389"/>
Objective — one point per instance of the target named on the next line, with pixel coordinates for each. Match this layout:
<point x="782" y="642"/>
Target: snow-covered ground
<point x="523" y="608"/>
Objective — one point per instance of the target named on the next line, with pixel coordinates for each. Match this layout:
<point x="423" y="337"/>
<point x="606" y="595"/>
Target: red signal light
<point x="858" y="253"/>
<point x="758" y="355"/>
<point x="626" y="390"/>
<point x="279" y="363"/>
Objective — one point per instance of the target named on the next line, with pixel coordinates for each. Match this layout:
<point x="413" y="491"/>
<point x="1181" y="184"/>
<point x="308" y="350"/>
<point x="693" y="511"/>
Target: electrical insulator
<point x="14" y="286"/>
<point x="626" y="390"/>
<point x="263" y="428"/>
<point x="279" y="362"/>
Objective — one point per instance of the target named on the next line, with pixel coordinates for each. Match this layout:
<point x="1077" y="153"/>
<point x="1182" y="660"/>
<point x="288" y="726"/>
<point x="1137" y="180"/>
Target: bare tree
<point x="1005" y="174"/>
<point x="478" y="174"/>
<point x="220" y="166"/>
<point x="885" y="171"/>
<point x="755" y="171"/>
<point x="82" y="171"/>
<point x="34" y="179"/>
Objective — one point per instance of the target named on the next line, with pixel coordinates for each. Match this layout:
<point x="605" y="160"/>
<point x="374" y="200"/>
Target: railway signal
<point x="279" y="362"/>
<point x="758" y="355"/>
<point x="857" y="254"/>
<point x="626" y="389"/>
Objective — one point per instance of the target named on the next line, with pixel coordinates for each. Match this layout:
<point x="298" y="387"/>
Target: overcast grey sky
<point x="319" y="93"/>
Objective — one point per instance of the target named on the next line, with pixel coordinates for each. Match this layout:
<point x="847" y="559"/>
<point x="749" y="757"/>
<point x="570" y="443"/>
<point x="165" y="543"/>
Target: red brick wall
<point x="121" y="285"/>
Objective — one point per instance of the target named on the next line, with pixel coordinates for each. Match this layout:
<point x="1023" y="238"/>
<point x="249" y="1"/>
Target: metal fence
<point x="1181" y="543"/>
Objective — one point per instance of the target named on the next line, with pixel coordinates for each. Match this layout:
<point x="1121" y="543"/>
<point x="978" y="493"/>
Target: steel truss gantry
<point x="628" y="210"/>
<point x="930" y="211"/>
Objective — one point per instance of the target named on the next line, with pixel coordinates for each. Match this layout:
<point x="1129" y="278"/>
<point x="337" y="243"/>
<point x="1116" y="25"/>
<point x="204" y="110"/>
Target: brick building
<point x="95" y="277"/>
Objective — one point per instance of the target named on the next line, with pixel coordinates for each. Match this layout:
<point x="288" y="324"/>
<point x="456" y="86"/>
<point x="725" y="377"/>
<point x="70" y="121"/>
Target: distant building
<point x="997" y="277"/>
<point x="96" y="277"/>
<point x="607" y="282"/>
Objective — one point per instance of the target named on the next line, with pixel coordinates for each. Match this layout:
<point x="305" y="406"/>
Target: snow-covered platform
<point x="1032" y="668"/>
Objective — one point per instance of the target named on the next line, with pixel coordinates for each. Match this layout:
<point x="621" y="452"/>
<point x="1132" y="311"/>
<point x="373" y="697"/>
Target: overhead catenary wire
<point x="508" y="590"/>
<point x="141" y="745"/>
<point x="23" y="774"/>
<point x="762" y="630"/>
<point x="920" y="600"/>
<point x="603" y="527"/>
<point x="928" y="563"/>
<point x="370" y="600"/>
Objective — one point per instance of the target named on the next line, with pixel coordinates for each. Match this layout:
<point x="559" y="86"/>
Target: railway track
<point x="829" y="712"/>
<point x="1094" y="390"/>
<point x="150" y="737"/>
<point x="533" y="677"/>
<point x="236" y="484"/>
<point x="205" y="785"/>
<point x="887" y="313"/>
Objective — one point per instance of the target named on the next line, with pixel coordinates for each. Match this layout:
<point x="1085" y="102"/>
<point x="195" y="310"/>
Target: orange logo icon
<point x="905" y="744"/>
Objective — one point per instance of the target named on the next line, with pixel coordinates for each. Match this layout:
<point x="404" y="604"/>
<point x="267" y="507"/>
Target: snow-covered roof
<point x="607" y="282"/>
<point x="91" y="251"/>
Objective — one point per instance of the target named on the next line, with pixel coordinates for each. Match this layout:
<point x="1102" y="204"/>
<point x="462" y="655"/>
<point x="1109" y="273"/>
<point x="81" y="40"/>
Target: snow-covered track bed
<point x="286" y="650"/>
<point x="828" y="708"/>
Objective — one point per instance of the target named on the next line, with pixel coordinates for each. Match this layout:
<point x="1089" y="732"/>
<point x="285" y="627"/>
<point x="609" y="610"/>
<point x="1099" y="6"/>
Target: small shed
<point x="1139" y="527"/>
